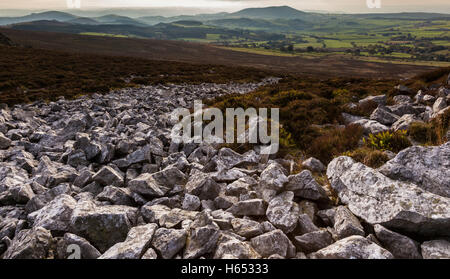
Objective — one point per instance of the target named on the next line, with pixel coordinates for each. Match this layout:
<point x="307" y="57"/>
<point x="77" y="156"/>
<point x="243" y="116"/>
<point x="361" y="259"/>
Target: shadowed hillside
<point x="207" y="54"/>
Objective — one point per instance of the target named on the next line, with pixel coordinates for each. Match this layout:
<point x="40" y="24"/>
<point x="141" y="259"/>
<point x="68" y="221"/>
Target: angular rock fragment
<point x="168" y="242"/>
<point x="377" y="199"/>
<point x="134" y="246"/>
<point x="352" y="247"/>
<point x="400" y="246"/>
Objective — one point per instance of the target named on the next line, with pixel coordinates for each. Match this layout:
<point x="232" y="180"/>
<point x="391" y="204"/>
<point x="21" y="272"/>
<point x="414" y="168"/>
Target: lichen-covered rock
<point x="379" y="99"/>
<point x="313" y="164"/>
<point x="436" y="249"/>
<point x="352" y="247"/>
<point x="305" y="186"/>
<point x="402" y="247"/>
<point x="71" y="244"/>
<point x="116" y="196"/>
<point x="246" y="228"/>
<point x="252" y="207"/>
<point x="168" y="242"/>
<point x="427" y="167"/>
<point x="103" y="226"/>
<point x="371" y="126"/>
<point x="346" y="224"/>
<point x="404" y="122"/>
<point x="313" y="241"/>
<point x="273" y="177"/>
<point x="55" y="216"/>
<point x="108" y="176"/>
<point x="202" y="185"/>
<point x="235" y="249"/>
<point x="134" y="246"/>
<point x="377" y="199"/>
<point x="274" y="242"/>
<point x="34" y="243"/>
<point x="383" y="116"/>
<point x="200" y="241"/>
<point x="283" y="212"/>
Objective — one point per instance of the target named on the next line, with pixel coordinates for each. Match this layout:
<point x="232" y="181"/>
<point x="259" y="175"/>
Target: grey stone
<point x="346" y="224"/>
<point x="313" y="241"/>
<point x="283" y="212"/>
<point x="352" y="247"/>
<point x="168" y="242"/>
<point x="66" y="250"/>
<point x="55" y="216"/>
<point x="400" y="246"/>
<point x="427" y="167"/>
<point x="103" y="226"/>
<point x="252" y="207"/>
<point x="108" y="176"/>
<point x="274" y="242"/>
<point x="313" y="164"/>
<point x="34" y="243"/>
<point x="134" y="246"/>
<point x="305" y="186"/>
<point x="377" y="199"/>
<point x="436" y="249"/>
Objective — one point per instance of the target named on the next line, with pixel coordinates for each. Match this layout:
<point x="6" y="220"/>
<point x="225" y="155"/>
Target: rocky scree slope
<point x="102" y="173"/>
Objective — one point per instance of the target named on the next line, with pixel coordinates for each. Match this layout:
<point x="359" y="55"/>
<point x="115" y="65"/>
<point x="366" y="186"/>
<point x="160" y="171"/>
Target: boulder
<point x="191" y="202"/>
<point x="439" y="105"/>
<point x="346" y="224"/>
<point x="137" y="242"/>
<point x="202" y="185"/>
<point x="4" y="141"/>
<point x="108" y="176"/>
<point x="305" y="224"/>
<point x="404" y="122"/>
<point x="313" y="165"/>
<point x="103" y="226"/>
<point x="283" y="212"/>
<point x="200" y="241"/>
<point x="252" y="207"/>
<point x="313" y="241"/>
<point x="246" y="228"/>
<point x="34" y="243"/>
<point x="305" y="186"/>
<point x="396" y="205"/>
<point x="71" y="244"/>
<point x="383" y="116"/>
<point x="235" y="249"/>
<point x="371" y="126"/>
<point x="274" y="242"/>
<point x="402" y="247"/>
<point x="427" y="167"/>
<point x="402" y="99"/>
<point x="352" y="247"/>
<point x="168" y="242"/>
<point x="380" y="100"/>
<point x="159" y="183"/>
<point x="273" y="177"/>
<point x="116" y="196"/>
<point x="55" y="216"/>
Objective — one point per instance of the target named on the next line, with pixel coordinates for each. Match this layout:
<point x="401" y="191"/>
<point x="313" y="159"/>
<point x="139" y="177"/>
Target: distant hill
<point x="53" y="15"/>
<point x="115" y="19"/>
<point x="269" y="12"/>
<point x="84" y="20"/>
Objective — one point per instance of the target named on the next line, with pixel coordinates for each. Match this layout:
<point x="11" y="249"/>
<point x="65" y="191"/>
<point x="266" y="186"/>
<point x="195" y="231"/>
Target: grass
<point x="310" y="114"/>
<point x="103" y="34"/>
<point x="29" y="74"/>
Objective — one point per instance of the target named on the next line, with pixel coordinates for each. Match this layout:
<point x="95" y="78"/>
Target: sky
<point x="350" y="6"/>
